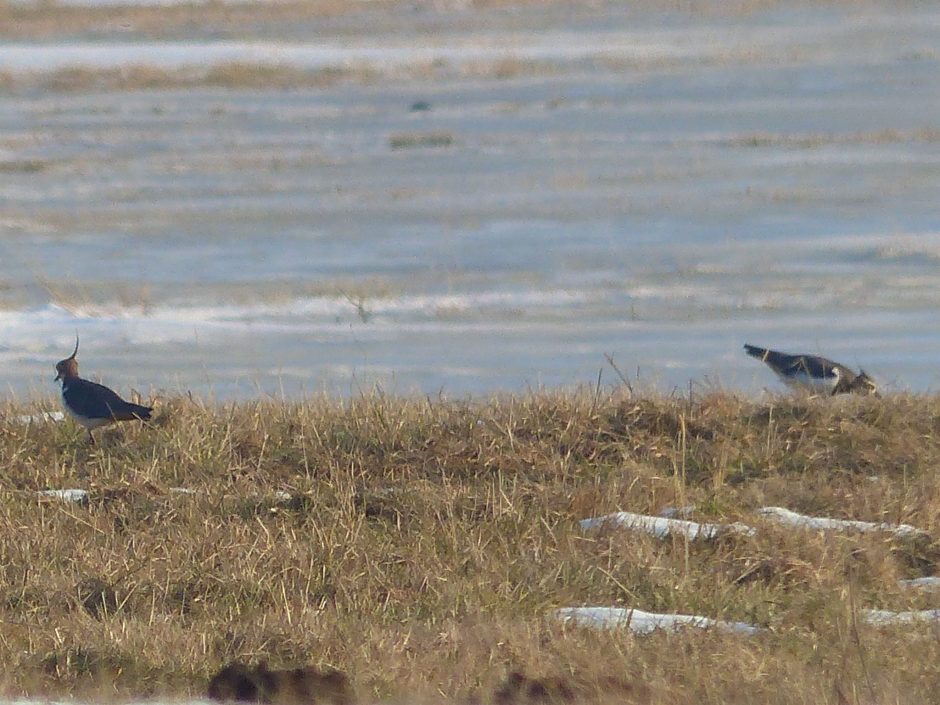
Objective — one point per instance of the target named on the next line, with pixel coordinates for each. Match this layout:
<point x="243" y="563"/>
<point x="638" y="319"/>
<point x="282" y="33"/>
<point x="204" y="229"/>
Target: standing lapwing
<point x="90" y="404"/>
<point x="817" y="374"/>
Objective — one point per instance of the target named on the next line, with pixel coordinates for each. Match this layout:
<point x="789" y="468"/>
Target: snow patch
<point x="557" y="46"/>
<point x="801" y="521"/>
<point x="42" y="416"/>
<point x="670" y="512"/>
<point x="661" y="527"/>
<point x="116" y="324"/>
<point x="931" y="582"/>
<point x="887" y="617"/>
<point x="640" y="622"/>
<point x="75" y="496"/>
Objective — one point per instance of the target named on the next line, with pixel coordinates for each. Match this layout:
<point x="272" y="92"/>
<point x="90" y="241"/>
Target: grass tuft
<point x="418" y="546"/>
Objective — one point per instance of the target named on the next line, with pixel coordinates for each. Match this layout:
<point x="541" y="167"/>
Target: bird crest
<point x="68" y="367"/>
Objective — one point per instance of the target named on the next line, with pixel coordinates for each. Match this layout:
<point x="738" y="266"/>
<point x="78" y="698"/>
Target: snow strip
<point x="41" y="416"/>
<point x="76" y="496"/>
<point x="661" y="527"/>
<point x="113" y="324"/>
<point x="640" y="622"/>
<point x="785" y="516"/>
<point x="932" y="582"/>
<point x="887" y="617"/>
<point x="556" y="46"/>
<point x="671" y="512"/>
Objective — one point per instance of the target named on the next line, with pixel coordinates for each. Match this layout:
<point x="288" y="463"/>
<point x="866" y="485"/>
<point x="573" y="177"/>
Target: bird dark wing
<point x="813" y="365"/>
<point x="95" y="401"/>
<point x="781" y="362"/>
<point x="790" y="365"/>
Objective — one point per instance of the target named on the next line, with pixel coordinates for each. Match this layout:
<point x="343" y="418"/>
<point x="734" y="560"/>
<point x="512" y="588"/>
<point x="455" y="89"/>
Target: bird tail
<point x="133" y="411"/>
<point x="754" y="351"/>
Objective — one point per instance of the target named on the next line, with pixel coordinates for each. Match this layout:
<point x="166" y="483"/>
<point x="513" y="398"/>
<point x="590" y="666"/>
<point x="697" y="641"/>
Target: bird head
<point x="69" y="366"/>
<point x="864" y="384"/>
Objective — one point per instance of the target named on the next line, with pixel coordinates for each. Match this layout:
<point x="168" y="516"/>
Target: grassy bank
<point x="418" y="545"/>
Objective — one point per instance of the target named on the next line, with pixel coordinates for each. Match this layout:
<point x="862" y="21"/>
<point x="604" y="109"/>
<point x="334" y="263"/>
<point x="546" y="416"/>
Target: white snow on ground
<point x="117" y="324"/>
<point x="887" y="617"/>
<point x="662" y="526"/>
<point x="671" y="512"/>
<point x="710" y="43"/>
<point x="40" y="417"/>
<point x="551" y="46"/>
<point x="640" y="622"/>
<point x="931" y="582"/>
<point x="801" y="521"/>
<point x="77" y="496"/>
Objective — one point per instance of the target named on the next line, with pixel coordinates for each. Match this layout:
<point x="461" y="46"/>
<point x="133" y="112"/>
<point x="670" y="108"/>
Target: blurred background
<point x="464" y="197"/>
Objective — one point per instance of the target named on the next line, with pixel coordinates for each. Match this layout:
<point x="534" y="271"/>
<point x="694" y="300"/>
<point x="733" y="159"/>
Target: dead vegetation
<point x="49" y="20"/>
<point x="418" y="546"/>
<point x="144" y="77"/>
<point x="254" y="76"/>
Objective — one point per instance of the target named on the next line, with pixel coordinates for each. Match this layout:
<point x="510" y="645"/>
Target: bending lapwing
<point x="815" y="373"/>
<point x="93" y="405"/>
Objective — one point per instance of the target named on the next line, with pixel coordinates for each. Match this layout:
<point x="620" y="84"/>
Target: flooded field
<point x="468" y="200"/>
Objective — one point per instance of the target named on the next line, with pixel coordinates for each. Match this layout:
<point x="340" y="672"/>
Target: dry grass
<point x="274" y="77"/>
<point x="423" y="543"/>
<point x="302" y="20"/>
<point x="415" y="140"/>
<point x="226" y="75"/>
<point x="813" y="141"/>
<point x="47" y="20"/>
<point x="76" y="297"/>
<point x="50" y="20"/>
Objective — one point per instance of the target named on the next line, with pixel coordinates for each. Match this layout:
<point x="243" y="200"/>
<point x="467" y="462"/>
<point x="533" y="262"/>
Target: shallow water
<point x="660" y="191"/>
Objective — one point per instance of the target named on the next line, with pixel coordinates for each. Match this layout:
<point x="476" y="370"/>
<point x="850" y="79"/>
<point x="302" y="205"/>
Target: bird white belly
<point x="802" y="380"/>
<point x="87" y="423"/>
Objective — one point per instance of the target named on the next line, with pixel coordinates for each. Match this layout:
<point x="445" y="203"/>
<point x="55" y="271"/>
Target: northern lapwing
<point x="814" y="373"/>
<point x="93" y="405"/>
